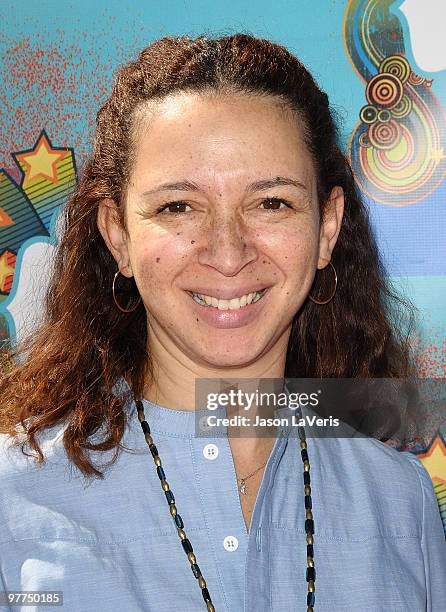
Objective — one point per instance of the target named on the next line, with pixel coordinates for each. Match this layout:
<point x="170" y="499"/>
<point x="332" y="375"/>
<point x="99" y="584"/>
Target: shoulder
<point x="370" y="456"/>
<point x="40" y="500"/>
<point x="25" y="484"/>
<point x="405" y="468"/>
<point x="381" y="489"/>
<point x="363" y="455"/>
<point x="396" y="466"/>
<point x="12" y="458"/>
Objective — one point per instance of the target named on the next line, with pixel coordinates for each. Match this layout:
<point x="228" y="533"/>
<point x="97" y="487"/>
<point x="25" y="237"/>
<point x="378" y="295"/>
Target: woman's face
<point x="222" y="203"/>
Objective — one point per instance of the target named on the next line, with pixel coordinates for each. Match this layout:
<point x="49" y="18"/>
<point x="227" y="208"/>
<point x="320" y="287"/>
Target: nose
<point x="228" y="244"/>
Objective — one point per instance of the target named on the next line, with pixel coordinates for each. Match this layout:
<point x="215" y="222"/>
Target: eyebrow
<point x="261" y="185"/>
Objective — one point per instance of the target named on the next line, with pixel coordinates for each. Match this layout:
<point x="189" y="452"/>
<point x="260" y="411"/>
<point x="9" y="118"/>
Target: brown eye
<point x="173" y="207"/>
<point x="276" y="202"/>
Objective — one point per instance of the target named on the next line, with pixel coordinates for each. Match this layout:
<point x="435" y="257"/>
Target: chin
<point x="222" y="358"/>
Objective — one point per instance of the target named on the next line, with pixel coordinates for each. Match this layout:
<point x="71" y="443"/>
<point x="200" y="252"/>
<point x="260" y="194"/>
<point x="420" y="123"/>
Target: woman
<point x="216" y="174"/>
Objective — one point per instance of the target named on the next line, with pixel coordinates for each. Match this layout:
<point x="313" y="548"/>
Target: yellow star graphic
<point x="41" y="162"/>
<point x="435" y="460"/>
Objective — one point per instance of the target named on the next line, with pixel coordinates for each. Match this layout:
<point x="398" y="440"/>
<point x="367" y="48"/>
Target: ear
<point x="331" y="225"/>
<point x="114" y="235"/>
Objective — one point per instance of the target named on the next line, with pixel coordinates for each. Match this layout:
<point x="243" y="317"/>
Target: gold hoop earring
<point x="334" y="290"/>
<point x="115" y="300"/>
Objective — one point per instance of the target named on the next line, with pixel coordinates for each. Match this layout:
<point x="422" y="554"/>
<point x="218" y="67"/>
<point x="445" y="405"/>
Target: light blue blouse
<point x="113" y="546"/>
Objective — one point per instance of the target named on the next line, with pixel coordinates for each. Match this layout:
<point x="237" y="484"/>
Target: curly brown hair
<point x="85" y="345"/>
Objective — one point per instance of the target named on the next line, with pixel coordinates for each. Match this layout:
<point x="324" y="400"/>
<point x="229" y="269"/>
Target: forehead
<point x="218" y="135"/>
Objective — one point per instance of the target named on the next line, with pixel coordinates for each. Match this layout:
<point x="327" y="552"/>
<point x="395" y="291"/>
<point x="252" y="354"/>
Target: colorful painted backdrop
<point x="382" y="63"/>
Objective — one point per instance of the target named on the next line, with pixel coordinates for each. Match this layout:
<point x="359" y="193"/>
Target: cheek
<point x="294" y="250"/>
<point x="157" y="262"/>
<point x="302" y="257"/>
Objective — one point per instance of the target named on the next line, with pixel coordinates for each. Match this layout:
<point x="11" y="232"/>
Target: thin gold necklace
<point x="242" y="481"/>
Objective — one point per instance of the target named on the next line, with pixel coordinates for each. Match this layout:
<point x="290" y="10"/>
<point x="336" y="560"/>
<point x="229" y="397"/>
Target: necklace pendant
<point x="242" y="487"/>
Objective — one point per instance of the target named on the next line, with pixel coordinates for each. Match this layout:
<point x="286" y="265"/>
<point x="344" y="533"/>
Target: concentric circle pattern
<point x="414" y="79"/>
<point x="363" y="139"/>
<point x="403" y="108"/>
<point x="384" y="90"/>
<point x="384" y="135"/>
<point x="397" y="65"/>
<point x="368" y="113"/>
<point x="384" y="115"/>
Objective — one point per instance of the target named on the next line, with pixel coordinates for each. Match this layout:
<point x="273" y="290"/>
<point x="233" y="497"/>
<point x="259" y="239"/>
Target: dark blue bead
<point x="196" y="570"/>
<point x="145" y="427"/>
<point x="304" y="454"/>
<point x="311" y="574"/>
<point x="307" y="478"/>
<point x="153" y="450"/>
<point x="178" y="521"/>
<point x="309" y="526"/>
<point x="205" y="594"/>
<point x="161" y="474"/>
<point x="310" y="599"/>
<point x="169" y="496"/>
<point x="310" y="551"/>
<point x="187" y="546"/>
<point x="308" y="502"/>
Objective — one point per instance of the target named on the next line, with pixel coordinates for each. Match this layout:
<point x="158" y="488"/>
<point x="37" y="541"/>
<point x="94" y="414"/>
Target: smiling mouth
<point x="234" y="304"/>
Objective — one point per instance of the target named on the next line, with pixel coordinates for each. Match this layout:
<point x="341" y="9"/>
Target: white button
<point x="230" y="543"/>
<point x="210" y="451"/>
<point x="204" y="424"/>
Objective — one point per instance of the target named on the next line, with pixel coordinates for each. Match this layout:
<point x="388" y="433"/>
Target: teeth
<point x="234" y="304"/>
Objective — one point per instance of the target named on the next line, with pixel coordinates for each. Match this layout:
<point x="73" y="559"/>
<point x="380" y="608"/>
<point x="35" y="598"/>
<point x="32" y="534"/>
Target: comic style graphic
<point x="27" y="230"/>
<point x="398" y="147"/>
<point x="398" y="152"/>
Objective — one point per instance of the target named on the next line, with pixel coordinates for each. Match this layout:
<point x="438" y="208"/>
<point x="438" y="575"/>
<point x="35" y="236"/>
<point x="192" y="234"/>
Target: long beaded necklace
<point x="187" y="546"/>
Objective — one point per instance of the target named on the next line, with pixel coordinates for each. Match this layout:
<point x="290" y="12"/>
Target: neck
<point x="175" y="373"/>
<point x="173" y="386"/>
